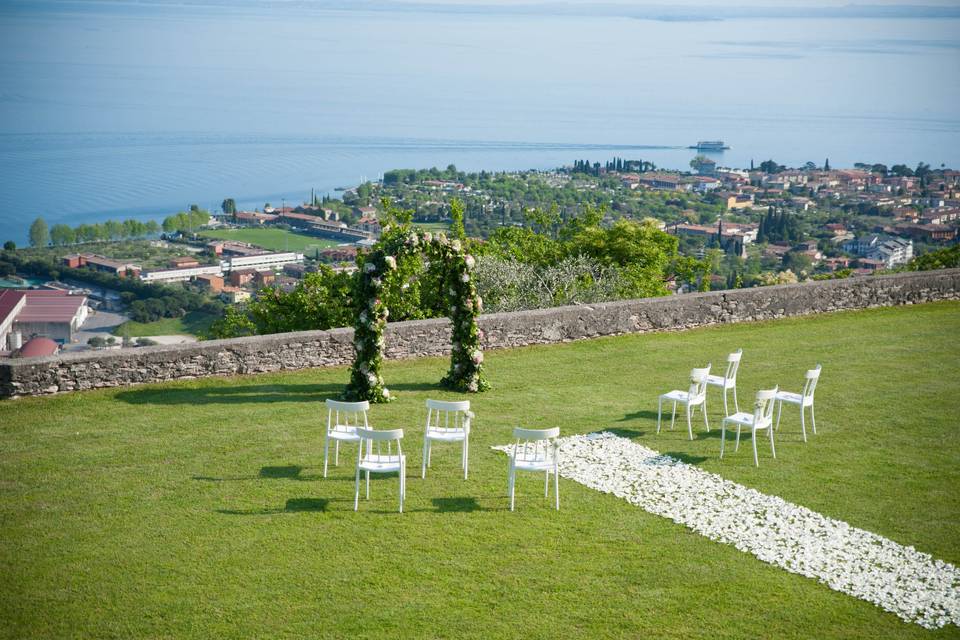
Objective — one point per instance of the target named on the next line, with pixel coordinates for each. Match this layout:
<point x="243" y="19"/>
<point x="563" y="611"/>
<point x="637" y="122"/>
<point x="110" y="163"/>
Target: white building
<point x="181" y="275"/>
<point x="262" y="261"/>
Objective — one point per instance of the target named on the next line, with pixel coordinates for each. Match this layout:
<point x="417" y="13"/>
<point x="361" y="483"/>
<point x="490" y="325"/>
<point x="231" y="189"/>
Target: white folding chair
<point x="535" y="450"/>
<point x="761" y="418"/>
<point x="343" y="420"/>
<point x="447" y="422"/>
<point x="695" y="396"/>
<point x="804" y="400"/>
<point x="728" y="380"/>
<point x="372" y="459"/>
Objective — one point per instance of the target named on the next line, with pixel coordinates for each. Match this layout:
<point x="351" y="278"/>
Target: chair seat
<point x="788" y="396"/>
<point x="745" y="419"/>
<point x="343" y="432"/>
<point x="677" y="395"/>
<point x="381" y="463"/>
<point x="446" y="435"/>
<point x="539" y="463"/>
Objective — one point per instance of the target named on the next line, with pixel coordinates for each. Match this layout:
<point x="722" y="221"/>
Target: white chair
<point x="374" y="460"/>
<point x="447" y="422"/>
<point x="535" y="450"/>
<point x="761" y="418"/>
<point x="804" y="399"/>
<point x="343" y="420"/>
<point x="728" y="380"/>
<point x="695" y="396"/>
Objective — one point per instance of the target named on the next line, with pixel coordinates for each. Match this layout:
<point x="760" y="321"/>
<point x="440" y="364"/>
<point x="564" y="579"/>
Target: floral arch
<point x="378" y="267"/>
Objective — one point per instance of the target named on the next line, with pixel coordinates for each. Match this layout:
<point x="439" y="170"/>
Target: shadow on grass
<point x="460" y="503"/>
<point x="284" y="472"/>
<point x="233" y="394"/>
<point x="294" y="505"/>
<point x="416" y="386"/>
<point x="685" y="457"/>
<point x="639" y="415"/>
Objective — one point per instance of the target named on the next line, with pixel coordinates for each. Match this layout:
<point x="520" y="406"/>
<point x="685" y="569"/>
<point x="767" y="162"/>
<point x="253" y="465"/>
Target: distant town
<point x="128" y="283"/>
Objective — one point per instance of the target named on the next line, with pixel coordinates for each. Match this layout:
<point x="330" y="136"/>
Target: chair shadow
<point x="459" y="503"/>
<point x="686" y="457"/>
<point x="283" y="472"/>
<point x="233" y="394"/>
<point x="639" y="415"/>
<point x="293" y="505"/>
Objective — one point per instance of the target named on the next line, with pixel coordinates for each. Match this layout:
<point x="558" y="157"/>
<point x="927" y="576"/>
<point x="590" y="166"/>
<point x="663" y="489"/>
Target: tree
<point x="456" y="215"/>
<point x="61" y="235"/>
<point x="699" y="161"/>
<point x="39" y="233"/>
<point x="9" y="245"/>
<point x="229" y="206"/>
<point x="901" y="170"/>
<point x="770" y="166"/>
<point x="826" y="165"/>
<point x="97" y="342"/>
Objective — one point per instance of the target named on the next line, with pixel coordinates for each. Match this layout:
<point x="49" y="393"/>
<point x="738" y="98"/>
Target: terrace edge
<point x="420" y="338"/>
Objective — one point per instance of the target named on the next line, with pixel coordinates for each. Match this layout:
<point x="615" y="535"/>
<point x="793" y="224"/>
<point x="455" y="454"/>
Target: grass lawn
<point x="197" y="509"/>
<point x="194" y="324"/>
<point x="433" y="226"/>
<point x="273" y="239"/>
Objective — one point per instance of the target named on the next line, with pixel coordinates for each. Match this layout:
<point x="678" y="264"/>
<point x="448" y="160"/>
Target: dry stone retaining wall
<point x="288" y="351"/>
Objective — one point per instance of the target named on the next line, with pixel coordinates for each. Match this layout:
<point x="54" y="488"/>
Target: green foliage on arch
<point x="379" y="275"/>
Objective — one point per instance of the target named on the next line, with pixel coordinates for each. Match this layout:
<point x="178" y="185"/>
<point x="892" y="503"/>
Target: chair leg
<point x="723" y="436"/>
<point x="368" y="485"/>
<point x="673" y="416"/>
<point x="779" y="413"/>
<point x="706" y="420"/>
<point x="466" y="456"/>
<point x="736" y="447"/>
<point x="689" y="424"/>
<point x="403" y="482"/>
<point x="813" y="420"/>
<point x="511" y="484"/>
<point x="336" y="453"/>
<point x="356" y="490"/>
<point x="429" y="451"/>
<point x="423" y="462"/>
<point x="326" y="453"/>
<point x="546" y="484"/>
<point x="803" y="423"/>
<point x="726" y="411"/>
<point x="659" y="412"/>
<point x="556" y="485"/>
<point x="736" y="403"/>
<point x="773" y="449"/>
<point x="756" y="460"/>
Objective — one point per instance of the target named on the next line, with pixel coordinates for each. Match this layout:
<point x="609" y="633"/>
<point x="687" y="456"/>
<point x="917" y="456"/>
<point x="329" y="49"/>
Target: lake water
<point x="109" y="109"/>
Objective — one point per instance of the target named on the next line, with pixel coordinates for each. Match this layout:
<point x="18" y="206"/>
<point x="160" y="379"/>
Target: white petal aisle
<point x="902" y="580"/>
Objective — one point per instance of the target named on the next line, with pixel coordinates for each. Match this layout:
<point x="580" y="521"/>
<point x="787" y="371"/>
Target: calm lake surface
<point x="110" y="110"/>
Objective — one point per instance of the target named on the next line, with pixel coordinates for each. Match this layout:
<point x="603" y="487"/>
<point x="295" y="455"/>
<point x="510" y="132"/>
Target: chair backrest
<point x="346" y="416"/>
<point x="698" y="383"/>
<point x="448" y="416"/>
<point x="810" y="385"/>
<point x="534" y="444"/>
<point x="763" y="407"/>
<point x="733" y="364"/>
<point x="376" y="441"/>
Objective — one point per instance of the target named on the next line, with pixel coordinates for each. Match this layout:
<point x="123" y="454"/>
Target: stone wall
<point x="288" y="351"/>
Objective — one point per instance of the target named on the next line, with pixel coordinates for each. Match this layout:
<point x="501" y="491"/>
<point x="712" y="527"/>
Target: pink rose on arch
<point x="477" y="357"/>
